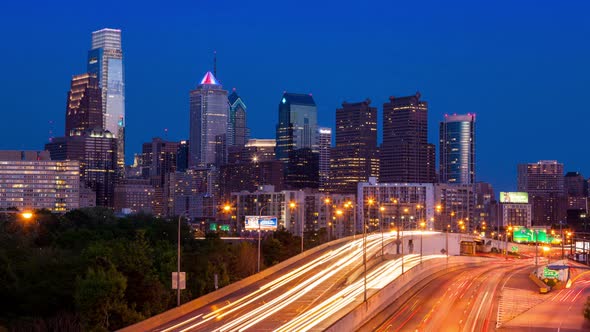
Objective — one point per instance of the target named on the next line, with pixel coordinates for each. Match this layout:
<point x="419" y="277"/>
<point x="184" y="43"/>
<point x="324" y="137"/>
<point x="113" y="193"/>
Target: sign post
<point x="176" y="279"/>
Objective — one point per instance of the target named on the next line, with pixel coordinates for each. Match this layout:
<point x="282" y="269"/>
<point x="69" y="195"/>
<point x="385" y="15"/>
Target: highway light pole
<point x="178" y="264"/>
<point x="381" y="209"/>
<point x="259" y="218"/>
<point x="370" y="202"/>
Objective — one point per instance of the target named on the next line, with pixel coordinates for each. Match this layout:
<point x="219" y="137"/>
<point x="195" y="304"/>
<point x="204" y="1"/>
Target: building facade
<point x="324" y="145"/>
<point x="297" y="127"/>
<point x="96" y="152"/>
<point x="544" y="182"/>
<point x="238" y="132"/>
<point x="84" y="105"/>
<point x="209" y="116"/>
<point x="354" y="158"/>
<point x="134" y="196"/>
<point x="457" y="149"/>
<point x="28" y="180"/>
<point x="406" y="155"/>
<point x="105" y="60"/>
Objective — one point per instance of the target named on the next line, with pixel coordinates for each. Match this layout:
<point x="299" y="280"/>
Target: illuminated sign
<point x="224" y="228"/>
<point x="514" y="197"/>
<point x="266" y="223"/>
<point x="548" y="273"/>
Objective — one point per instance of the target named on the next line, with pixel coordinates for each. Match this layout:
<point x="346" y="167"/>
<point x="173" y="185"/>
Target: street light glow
<point x="27" y="215"/>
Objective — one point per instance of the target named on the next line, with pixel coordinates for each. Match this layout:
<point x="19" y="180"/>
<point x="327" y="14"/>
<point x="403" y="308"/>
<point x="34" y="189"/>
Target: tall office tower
<point x="354" y="158"/>
<point x="96" y="150"/>
<point x="297" y="127"/>
<point x="84" y="106"/>
<point x="209" y="112"/>
<point x="105" y="60"/>
<point x="544" y="182"/>
<point x="457" y="149"/>
<point x="405" y="153"/>
<point x="238" y="131"/>
<point x="324" y="144"/>
<point x="158" y="158"/>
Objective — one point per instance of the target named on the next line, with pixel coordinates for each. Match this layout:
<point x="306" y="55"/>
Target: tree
<point x="100" y="301"/>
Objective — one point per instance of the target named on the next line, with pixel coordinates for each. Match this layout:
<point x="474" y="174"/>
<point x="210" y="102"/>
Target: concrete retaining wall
<point x="155" y="321"/>
<point x="377" y="302"/>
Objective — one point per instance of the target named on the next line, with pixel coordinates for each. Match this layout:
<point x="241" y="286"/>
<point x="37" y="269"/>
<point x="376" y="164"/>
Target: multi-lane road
<point x="305" y="296"/>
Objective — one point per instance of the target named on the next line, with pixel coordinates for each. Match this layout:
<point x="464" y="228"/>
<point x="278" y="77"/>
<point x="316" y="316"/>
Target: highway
<point x="465" y="300"/>
<point x="560" y="310"/>
<point x="306" y="295"/>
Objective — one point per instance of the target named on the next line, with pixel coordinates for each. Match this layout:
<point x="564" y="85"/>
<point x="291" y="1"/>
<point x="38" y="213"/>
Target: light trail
<point x="272" y="296"/>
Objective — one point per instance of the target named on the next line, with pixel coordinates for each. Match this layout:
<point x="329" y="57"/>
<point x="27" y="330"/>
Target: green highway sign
<point x="548" y="273"/>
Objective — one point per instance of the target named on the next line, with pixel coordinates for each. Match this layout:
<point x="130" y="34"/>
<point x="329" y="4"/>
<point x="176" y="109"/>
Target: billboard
<point x="514" y="197"/>
<point x="266" y="223"/>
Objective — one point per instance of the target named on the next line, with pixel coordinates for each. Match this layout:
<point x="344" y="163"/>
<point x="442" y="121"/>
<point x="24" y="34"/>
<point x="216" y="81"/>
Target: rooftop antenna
<point x="215" y="63"/>
<point x="51" y="131"/>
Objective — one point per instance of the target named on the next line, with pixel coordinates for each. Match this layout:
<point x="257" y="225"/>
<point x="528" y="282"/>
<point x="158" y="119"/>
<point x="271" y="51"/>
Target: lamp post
<point x="381" y="209"/>
<point x="370" y="203"/>
<point x="422" y="224"/>
<point x="397" y="221"/>
<point x="178" y="263"/>
<point x="328" y="216"/>
<point x="259" y="217"/>
<point x="536" y="250"/>
<point x="508" y="230"/>
<point x="339" y="214"/>
<point x="406" y="210"/>
<point x="293" y="206"/>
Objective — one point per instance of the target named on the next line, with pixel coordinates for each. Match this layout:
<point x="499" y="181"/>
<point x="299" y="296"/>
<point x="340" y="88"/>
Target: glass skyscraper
<point x="105" y="59"/>
<point x="457" y="149"/>
<point x="297" y="127"/>
<point x="209" y="112"/>
<point x="238" y="131"/>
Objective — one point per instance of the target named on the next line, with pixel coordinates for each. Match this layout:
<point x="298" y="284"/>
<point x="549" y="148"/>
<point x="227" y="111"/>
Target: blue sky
<point x="521" y="66"/>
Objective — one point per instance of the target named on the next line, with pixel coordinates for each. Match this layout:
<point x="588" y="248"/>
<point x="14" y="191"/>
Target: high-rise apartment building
<point x="405" y="154"/>
<point x="544" y="182"/>
<point x="105" y="60"/>
<point x="238" y="132"/>
<point x="84" y="105"/>
<point x="29" y="180"/>
<point x="297" y="127"/>
<point x="324" y="145"/>
<point x="158" y="157"/>
<point x="355" y="158"/>
<point x="209" y="112"/>
<point x="457" y="149"/>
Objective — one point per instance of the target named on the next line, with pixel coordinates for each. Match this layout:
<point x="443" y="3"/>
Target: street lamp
<point x="292" y="206"/>
<point x="422" y="224"/>
<point x="260" y="209"/>
<point x="339" y="213"/>
<point x="328" y="216"/>
<point x="370" y="203"/>
<point x="381" y="209"/>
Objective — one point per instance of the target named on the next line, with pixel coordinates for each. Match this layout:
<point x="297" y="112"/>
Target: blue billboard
<point x="266" y="222"/>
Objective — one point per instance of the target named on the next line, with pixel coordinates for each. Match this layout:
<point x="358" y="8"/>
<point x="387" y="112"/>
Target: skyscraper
<point x="238" y="131"/>
<point x="105" y="60"/>
<point x="297" y="127"/>
<point x="324" y="144"/>
<point x="457" y="149"/>
<point x="354" y="158"/>
<point x="95" y="149"/>
<point x="84" y="105"/>
<point x="405" y="154"/>
<point x="209" y="111"/>
<point x="544" y="182"/>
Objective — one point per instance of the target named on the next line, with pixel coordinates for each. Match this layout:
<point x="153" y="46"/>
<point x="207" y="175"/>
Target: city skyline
<point x="466" y="74"/>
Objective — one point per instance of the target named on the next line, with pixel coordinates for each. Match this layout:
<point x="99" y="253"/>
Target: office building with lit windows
<point x="355" y="158"/>
<point x="209" y="112"/>
<point x="324" y="144"/>
<point x="457" y="149"/>
<point x="30" y="180"/>
<point x="105" y="60"/>
<point x="544" y="182"/>
<point x="84" y="105"/>
<point x="406" y="155"/>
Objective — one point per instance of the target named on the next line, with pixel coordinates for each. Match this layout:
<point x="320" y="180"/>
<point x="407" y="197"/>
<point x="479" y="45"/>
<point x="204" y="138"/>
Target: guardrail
<point x="163" y="318"/>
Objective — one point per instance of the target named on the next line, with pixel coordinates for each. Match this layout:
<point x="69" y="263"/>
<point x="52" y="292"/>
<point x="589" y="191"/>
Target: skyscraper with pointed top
<point x="209" y="113"/>
<point x="238" y="131"/>
<point x="105" y="60"/>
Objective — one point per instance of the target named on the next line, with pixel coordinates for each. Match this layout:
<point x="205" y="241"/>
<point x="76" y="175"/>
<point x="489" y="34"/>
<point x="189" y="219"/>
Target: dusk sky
<point x="522" y="66"/>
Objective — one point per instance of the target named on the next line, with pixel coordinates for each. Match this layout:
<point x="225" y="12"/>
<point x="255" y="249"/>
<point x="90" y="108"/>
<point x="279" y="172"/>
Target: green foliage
<point x="88" y="270"/>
